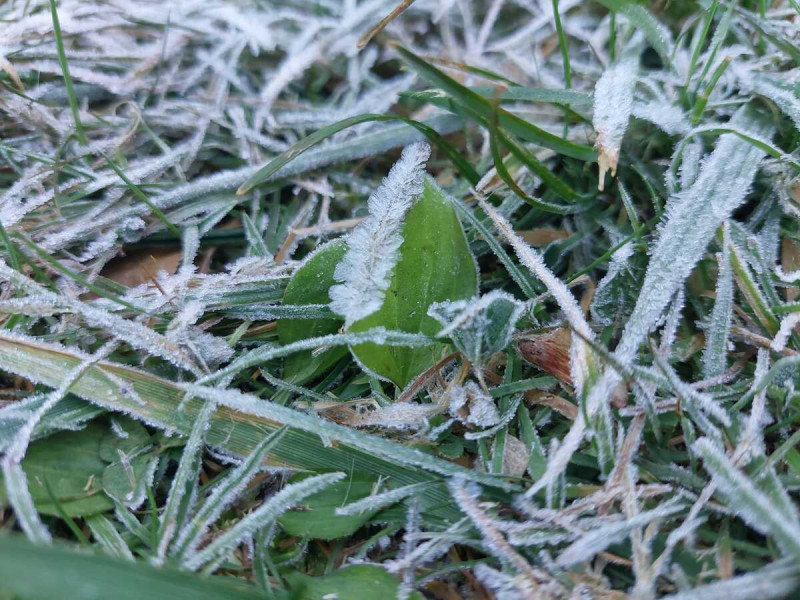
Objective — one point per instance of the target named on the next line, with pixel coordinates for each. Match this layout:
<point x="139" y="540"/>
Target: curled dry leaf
<point x="549" y="351"/>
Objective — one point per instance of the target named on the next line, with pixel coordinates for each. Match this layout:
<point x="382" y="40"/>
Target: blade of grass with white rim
<point x="235" y="431"/>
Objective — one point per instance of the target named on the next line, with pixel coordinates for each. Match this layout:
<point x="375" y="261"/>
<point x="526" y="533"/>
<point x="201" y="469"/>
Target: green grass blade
<point x="235" y="431"/>
<point x="62" y="60"/>
<point x="483" y="107"/>
<point x="315" y="138"/>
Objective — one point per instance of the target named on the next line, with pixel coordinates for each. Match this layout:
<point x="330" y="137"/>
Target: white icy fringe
<point x="180" y="499"/>
<point x="716" y="350"/>
<point x="223" y="495"/>
<point x="19" y="497"/>
<point x="755" y="507"/>
<point x="376" y="502"/>
<point x="613" y="102"/>
<point x="777" y="580"/>
<point x="264" y="515"/>
<point x="579" y="351"/>
<point x="372" y="247"/>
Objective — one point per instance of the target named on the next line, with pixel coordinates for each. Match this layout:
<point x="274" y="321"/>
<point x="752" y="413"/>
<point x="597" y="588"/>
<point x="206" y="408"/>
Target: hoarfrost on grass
<point x="373" y="246"/>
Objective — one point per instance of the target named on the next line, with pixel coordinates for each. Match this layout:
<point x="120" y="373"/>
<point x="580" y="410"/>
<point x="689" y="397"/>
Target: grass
<point x="299" y="303"/>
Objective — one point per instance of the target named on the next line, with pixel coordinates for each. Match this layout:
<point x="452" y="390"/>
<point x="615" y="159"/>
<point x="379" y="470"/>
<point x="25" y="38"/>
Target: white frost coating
<point x="375" y="445"/>
<point x="715" y="352"/>
<point x="403" y="416"/>
<point x="224" y="494"/>
<point x="771" y="582"/>
<point x="579" y="351"/>
<point x="502" y="422"/>
<point x="747" y="501"/>
<point x="751" y="442"/>
<point x="480" y="326"/>
<point x="21" y="500"/>
<point x="619" y="263"/>
<point x="692" y="217"/>
<point x="188" y="471"/>
<point x="264" y="515"/>
<point x="601" y="538"/>
<point x="382" y="500"/>
<point x="665" y="115"/>
<point x="372" y="247"/>
<point x="613" y="102"/>
<point x="788" y="325"/>
<point x="472" y="406"/>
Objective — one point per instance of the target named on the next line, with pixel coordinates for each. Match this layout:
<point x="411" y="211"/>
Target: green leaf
<point x="71" y="464"/>
<point x="43" y="573"/>
<point x="127" y="447"/>
<point x="358" y="582"/>
<point x="316" y="518"/>
<point x="131" y="437"/>
<point x="127" y="479"/>
<point x="309" y="285"/>
<point x="435" y="265"/>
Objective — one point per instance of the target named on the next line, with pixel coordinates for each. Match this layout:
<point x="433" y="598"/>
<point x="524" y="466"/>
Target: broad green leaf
<point x="126" y="445"/>
<point x="127" y="479"/>
<point x="71" y="464"/>
<point x="130" y="437"/>
<point x="358" y="582"/>
<point x="309" y="285"/>
<point x="435" y="265"/>
<point x="317" y="518"/>
<point x="49" y="572"/>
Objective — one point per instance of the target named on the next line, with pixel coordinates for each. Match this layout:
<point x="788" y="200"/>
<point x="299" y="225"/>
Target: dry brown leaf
<point x="141" y="266"/>
<point x="541" y="236"/>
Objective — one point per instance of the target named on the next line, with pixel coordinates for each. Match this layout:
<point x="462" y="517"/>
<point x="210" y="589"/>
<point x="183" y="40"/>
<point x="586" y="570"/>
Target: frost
<point x="502" y="422"/>
<point x="380" y="501"/>
<point x="599" y="539"/>
<point x="664" y="114"/>
<point x="787" y="328"/>
<point x="579" y="353"/>
<point x="466" y="494"/>
<point x="771" y="582"/>
<point x="747" y="501"/>
<point x="264" y="515"/>
<point x="692" y="217"/>
<point x="613" y="103"/>
<point x="19" y="497"/>
<point x="403" y="416"/>
<point x="373" y="246"/>
<point x="225" y="492"/>
<point x="479" y="327"/>
<point x="610" y="293"/>
<point x="714" y="355"/>
<point x="374" y="445"/>
<point x="183" y="491"/>
<point x="472" y="406"/>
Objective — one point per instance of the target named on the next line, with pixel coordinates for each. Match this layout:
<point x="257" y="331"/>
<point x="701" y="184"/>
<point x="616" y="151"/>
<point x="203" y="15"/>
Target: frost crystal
<point x="479" y="327"/>
<point x="613" y="102"/>
<point x="373" y="246"/>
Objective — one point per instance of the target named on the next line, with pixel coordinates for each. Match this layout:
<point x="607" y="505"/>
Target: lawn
<point x="346" y="299"/>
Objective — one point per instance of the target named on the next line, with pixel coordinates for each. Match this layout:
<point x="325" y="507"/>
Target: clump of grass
<point x="488" y="301"/>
